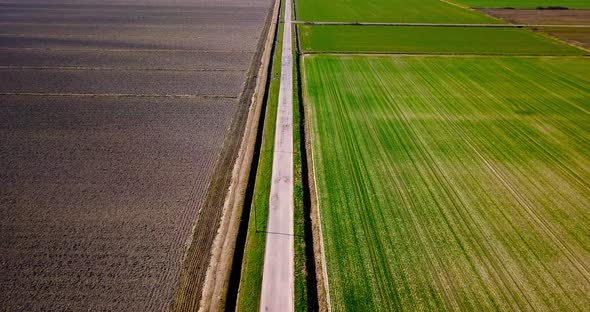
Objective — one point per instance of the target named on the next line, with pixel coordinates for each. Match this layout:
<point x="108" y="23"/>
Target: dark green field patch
<point x="409" y="11"/>
<point x="418" y="39"/>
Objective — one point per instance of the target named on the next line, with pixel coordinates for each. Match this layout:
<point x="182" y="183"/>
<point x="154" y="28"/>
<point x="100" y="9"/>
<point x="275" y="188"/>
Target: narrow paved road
<point x="278" y="274"/>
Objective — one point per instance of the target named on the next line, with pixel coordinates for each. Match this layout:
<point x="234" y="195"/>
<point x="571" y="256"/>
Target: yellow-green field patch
<point x="430" y="40"/>
<point x="453" y="183"/>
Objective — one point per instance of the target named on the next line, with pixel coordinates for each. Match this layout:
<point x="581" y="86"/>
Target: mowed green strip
<point x="453" y="183"/>
<point x="400" y="11"/>
<point x="444" y="40"/>
<point x="525" y="4"/>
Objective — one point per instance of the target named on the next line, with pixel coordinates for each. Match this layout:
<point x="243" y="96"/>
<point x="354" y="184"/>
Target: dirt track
<point x="100" y="193"/>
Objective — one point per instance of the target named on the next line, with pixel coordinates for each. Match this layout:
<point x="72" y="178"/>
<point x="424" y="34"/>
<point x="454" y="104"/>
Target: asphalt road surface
<point x="113" y="115"/>
<point x="278" y="293"/>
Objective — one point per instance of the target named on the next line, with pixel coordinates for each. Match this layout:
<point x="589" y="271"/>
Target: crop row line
<point x="395" y="24"/>
<point x="110" y="68"/>
<point x="440" y="54"/>
<point x="121" y="95"/>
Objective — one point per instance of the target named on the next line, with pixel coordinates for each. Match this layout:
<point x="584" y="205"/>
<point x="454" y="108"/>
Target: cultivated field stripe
<point x="453" y="183"/>
<point x="430" y="40"/>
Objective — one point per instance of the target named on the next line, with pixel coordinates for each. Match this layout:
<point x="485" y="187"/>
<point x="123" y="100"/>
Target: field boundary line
<point x="101" y="25"/>
<point x="393" y="24"/>
<point x="458" y="5"/>
<point x="112" y="68"/>
<point x="121" y="95"/>
<point x="559" y="25"/>
<point x="73" y="49"/>
<point x="418" y="54"/>
<point x="113" y="8"/>
<point x="316" y="197"/>
<point x="478" y="25"/>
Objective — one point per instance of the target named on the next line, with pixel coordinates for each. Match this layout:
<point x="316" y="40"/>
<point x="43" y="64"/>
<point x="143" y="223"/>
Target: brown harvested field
<point x="542" y="17"/>
<point x="113" y="116"/>
<point x="579" y="36"/>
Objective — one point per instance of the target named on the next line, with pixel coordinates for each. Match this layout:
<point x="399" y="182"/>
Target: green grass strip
<point x="415" y="39"/>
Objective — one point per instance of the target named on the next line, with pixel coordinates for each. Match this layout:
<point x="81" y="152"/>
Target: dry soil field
<point x="570" y="25"/>
<point x="113" y="115"/>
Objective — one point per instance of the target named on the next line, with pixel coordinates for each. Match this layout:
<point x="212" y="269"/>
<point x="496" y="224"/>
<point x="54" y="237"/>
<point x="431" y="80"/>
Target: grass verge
<point x="400" y="11"/>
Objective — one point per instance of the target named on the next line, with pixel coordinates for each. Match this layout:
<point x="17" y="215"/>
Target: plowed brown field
<point x="113" y="116"/>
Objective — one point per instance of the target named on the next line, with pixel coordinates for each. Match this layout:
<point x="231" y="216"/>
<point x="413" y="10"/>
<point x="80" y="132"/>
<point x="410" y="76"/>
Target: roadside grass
<point x="301" y="302"/>
<point x="427" y="11"/>
<point x="525" y="4"/>
<point x="444" y="40"/>
<point x="253" y="263"/>
<point x="453" y="183"/>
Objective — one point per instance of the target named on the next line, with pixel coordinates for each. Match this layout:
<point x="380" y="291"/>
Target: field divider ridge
<point x="74" y="49"/>
<point x="442" y="54"/>
<point x="112" y="68"/>
<point x="121" y="95"/>
<point x="393" y="24"/>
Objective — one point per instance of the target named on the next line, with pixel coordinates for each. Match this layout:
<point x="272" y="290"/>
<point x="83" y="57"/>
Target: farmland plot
<point x="408" y="11"/>
<point x="453" y="182"/>
<point x="118" y="123"/>
<point x="443" y="40"/>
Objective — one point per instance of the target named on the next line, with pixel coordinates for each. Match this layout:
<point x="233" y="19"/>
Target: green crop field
<point x="413" y="39"/>
<point x="525" y="4"/>
<point x="453" y="182"/>
<point x="401" y="11"/>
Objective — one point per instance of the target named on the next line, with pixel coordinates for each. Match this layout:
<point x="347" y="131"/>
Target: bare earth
<point x="113" y="115"/>
<point x="540" y="17"/>
<point x="579" y="36"/>
<point x="576" y="36"/>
